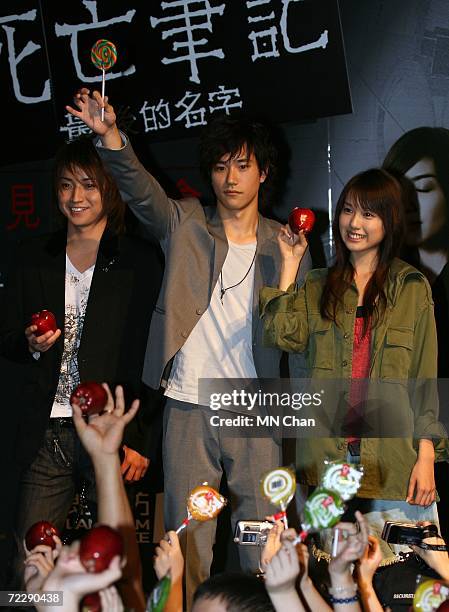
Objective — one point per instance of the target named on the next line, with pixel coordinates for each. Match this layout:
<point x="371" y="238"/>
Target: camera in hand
<point x="395" y="532"/>
<point x="252" y="533"/>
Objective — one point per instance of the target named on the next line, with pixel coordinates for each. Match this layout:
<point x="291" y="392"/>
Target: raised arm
<point x="102" y="438"/>
<point x="292" y="248"/>
<point x="139" y="189"/>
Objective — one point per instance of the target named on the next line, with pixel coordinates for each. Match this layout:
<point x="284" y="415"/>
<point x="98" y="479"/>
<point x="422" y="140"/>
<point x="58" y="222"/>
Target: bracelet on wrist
<point x="344" y="600"/>
<point x="351" y="589"/>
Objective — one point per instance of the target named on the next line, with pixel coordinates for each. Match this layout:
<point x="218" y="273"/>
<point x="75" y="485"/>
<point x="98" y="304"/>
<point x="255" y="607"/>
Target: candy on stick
<point x="322" y="510"/>
<point x="103" y="55"/>
<point x="344" y="478"/>
<point x="324" y="507"/>
<point x="279" y="487"/>
<point x="159" y="595"/>
<point x="430" y="594"/>
<point x="203" y="504"/>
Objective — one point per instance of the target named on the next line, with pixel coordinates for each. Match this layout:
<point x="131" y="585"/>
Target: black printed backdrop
<point x="178" y="64"/>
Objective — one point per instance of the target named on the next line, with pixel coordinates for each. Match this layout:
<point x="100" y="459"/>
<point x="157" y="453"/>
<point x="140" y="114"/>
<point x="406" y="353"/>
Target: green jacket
<point x="404" y="346"/>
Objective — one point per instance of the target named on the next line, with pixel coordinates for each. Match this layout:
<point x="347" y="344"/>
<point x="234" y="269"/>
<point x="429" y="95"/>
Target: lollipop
<point x="103" y="55"/>
<point x="159" y="595"/>
<point x="322" y="510"/>
<point x="203" y="504"/>
<point x="429" y="595"/>
<point x="279" y="487"/>
<point x="343" y="478"/>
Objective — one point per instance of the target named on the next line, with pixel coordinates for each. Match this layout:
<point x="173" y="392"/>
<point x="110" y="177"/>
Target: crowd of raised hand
<point x="285" y="583"/>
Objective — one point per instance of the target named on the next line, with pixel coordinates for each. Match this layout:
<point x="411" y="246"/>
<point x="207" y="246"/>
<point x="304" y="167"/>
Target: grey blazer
<point x="195" y="246"/>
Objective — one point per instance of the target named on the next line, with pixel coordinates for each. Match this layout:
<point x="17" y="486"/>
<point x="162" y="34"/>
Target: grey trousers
<point x="195" y="452"/>
<point x="49" y="484"/>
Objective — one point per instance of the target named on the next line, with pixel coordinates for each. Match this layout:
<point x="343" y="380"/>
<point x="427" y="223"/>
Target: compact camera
<point x="252" y="533"/>
<point x="407" y="533"/>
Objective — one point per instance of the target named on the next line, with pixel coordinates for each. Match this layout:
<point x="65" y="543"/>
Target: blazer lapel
<point x="105" y="295"/>
<point x="216" y="230"/>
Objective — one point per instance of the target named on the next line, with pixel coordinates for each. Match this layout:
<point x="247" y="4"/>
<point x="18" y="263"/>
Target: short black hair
<point x="229" y="135"/>
<point x="237" y="591"/>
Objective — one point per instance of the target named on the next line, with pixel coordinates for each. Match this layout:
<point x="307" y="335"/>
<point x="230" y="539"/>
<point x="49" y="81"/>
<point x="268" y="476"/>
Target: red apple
<point x="91" y="603"/>
<point x="444" y="607"/>
<point x="91" y="397"/>
<point x="301" y="219"/>
<point x="99" y="546"/>
<point x="41" y="532"/>
<point x="45" y="321"/>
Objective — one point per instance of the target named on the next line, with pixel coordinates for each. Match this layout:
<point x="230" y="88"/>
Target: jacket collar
<point x="215" y="225"/>
<point x="108" y="248"/>
<point x="398" y="272"/>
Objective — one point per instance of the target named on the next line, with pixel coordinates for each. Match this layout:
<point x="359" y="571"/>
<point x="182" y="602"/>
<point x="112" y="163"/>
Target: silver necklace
<point x="224" y="289"/>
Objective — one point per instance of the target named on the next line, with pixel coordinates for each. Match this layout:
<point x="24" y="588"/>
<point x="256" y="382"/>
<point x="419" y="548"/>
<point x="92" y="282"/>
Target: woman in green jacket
<point x="369" y="316"/>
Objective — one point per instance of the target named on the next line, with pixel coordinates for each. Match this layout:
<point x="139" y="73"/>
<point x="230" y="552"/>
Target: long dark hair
<point x="409" y="149"/>
<point x="81" y="153"/>
<point x="379" y="192"/>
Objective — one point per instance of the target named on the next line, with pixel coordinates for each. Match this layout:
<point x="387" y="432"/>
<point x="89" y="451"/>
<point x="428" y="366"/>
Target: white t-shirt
<point x="220" y="344"/>
<point x="77" y="287"/>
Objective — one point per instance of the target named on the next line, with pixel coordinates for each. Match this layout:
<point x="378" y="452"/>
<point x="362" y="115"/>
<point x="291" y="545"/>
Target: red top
<point x="361" y="362"/>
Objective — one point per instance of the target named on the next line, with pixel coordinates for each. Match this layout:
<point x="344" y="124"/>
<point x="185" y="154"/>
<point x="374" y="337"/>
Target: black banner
<point x="179" y="62"/>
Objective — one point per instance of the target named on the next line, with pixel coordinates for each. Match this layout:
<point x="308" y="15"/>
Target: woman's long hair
<point x="379" y="192"/>
<point x="81" y="153"/>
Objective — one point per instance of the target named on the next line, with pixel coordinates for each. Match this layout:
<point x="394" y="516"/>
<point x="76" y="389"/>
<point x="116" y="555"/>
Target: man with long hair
<point x="94" y="279"/>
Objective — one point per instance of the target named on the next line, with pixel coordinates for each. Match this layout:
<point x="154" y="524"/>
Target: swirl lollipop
<point x="430" y="594"/>
<point x="279" y="487"/>
<point x="322" y="510"/>
<point x="203" y="504"/>
<point x="343" y="478"/>
<point x="103" y="55"/>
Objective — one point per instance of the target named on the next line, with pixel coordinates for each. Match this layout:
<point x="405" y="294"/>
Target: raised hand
<point x="273" y="543"/>
<point x="369" y="561"/>
<point x="168" y="557"/>
<point x="103" y="433"/>
<point x="291" y="245"/>
<point x="72" y="578"/>
<point x="436" y="559"/>
<point x="283" y="569"/>
<point x="39" y="562"/>
<point x="89" y="111"/>
<point x="351" y="546"/>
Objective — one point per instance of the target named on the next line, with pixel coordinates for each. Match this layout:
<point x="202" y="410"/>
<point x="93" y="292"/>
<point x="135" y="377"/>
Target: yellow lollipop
<point x="279" y="487"/>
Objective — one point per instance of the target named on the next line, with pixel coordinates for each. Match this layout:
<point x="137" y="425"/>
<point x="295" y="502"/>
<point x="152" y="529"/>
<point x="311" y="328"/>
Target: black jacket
<point x="122" y="296"/>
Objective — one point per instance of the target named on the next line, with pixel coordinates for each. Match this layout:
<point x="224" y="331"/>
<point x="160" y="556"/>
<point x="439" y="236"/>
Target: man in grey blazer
<point x="205" y="323"/>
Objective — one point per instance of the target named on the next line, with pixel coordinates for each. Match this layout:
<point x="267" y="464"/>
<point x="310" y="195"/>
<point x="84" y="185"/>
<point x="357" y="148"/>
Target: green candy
<point x="323" y="509"/>
<point x="159" y="595"/>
